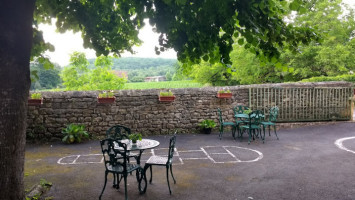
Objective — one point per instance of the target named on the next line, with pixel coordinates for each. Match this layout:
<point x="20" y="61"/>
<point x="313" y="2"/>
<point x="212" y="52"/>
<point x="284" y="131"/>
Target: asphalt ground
<point x="304" y="164"/>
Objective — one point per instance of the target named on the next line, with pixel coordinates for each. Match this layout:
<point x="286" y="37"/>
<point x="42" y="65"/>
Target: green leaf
<point x="47" y="64"/>
<point x="180" y="2"/>
<point x="294" y="5"/>
<point x="278" y="65"/>
<point x="65" y="139"/>
<point x="283" y="3"/>
<point x="205" y="58"/>
<point x="34" y="76"/>
<point x="302" y="10"/>
<point x="241" y="41"/>
<point x="167" y="2"/>
<point x="273" y="59"/>
<point x="71" y="138"/>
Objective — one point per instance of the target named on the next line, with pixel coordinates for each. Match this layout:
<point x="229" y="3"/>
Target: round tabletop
<point x="141" y="144"/>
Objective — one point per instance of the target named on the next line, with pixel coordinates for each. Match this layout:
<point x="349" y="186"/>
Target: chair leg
<point x="129" y="162"/>
<point x="171" y="172"/>
<point x="249" y="140"/>
<point x="103" y="189"/>
<point x="241" y="133"/>
<point x="167" y="177"/>
<point x="142" y="181"/>
<point x="114" y="184"/>
<point x="125" y="186"/>
<point x="235" y="131"/>
<point x="269" y="130"/>
<point x="145" y="176"/>
<point x="119" y="179"/>
<point x="151" y="174"/>
<point x="264" y="130"/>
<point x="275" y="132"/>
<point x="220" y="132"/>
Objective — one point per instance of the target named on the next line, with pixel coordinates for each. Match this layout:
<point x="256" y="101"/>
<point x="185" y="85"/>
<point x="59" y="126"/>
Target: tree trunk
<point x="16" y="18"/>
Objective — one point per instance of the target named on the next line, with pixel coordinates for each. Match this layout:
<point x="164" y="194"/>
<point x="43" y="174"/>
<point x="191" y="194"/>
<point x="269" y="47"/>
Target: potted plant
<point x="247" y="112"/>
<point x="106" y="97"/>
<point x="35" y="99"/>
<point x="134" y="137"/>
<point x="224" y="94"/>
<point x="74" y="133"/>
<point x="207" y="125"/>
<point x="166" y="96"/>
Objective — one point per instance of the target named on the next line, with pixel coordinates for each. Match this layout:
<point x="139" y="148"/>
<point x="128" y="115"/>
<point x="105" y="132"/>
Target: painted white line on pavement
<point x="226" y="150"/>
<point x="339" y="144"/>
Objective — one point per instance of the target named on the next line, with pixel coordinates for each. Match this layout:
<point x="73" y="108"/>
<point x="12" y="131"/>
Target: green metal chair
<point x="118" y="132"/>
<point x="240" y="117"/>
<point x="254" y="125"/>
<point x="273" y="113"/>
<point x="163" y="161"/>
<point x="111" y="149"/>
<point x="222" y="124"/>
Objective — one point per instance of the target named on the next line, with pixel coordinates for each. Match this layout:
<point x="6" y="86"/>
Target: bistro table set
<point x="118" y="151"/>
<point x="250" y="122"/>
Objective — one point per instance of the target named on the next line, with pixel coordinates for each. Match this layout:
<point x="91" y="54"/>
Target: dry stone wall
<point x="138" y="109"/>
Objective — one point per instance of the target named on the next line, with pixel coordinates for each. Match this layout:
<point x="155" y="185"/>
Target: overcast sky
<point x="67" y="43"/>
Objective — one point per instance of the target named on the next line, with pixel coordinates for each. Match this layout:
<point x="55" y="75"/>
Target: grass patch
<point x="164" y="84"/>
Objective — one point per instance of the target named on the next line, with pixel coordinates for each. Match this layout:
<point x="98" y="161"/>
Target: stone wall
<point x="139" y="109"/>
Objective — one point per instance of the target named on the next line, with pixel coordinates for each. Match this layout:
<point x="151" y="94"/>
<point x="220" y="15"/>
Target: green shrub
<point x="224" y="91"/>
<point x="345" y="77"/>
<point x="74" y="133"/>
<point x="106" y="94"/>
<point x="207" y="123"/>
<point x="164" y="94"/>
<point x="36" y="96"/>
<point x="162" y="84"/>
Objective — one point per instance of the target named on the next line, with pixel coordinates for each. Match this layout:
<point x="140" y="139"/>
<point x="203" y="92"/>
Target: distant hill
<point x="133" y="63"/>
<point x="139" y="68"/>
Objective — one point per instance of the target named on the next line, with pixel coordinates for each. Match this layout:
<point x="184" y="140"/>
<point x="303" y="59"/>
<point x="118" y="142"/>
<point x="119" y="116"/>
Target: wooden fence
<point x="304" y="104"/>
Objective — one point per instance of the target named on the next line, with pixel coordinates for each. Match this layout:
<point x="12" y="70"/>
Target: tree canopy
<point x="332" y="57"/>
<point x="335" y="55"/>
<point x="194" y="29"/>
<point x="77" y="76"/>
<point x="44" y="78"/>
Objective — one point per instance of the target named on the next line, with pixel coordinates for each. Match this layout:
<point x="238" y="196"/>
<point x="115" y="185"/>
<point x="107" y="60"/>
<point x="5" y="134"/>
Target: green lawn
<point x="164" y="84"/>
<point x="150" y="85"/>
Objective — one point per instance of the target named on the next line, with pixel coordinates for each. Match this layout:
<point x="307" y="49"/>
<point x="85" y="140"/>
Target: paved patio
<point x="315" y="162"/>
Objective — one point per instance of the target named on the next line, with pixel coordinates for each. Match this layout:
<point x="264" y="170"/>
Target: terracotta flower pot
<point x="35" y="102"/>
<point x="106" y="100"/>
<point x="166" y="98"/>
<point x="224" y="95"/>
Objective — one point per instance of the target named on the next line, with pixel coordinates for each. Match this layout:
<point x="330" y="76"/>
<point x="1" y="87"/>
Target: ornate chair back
<point x="111" y="149"/>
<point x="256" y="117"/>
<point x="171" y="149"/>
<point x="239" y="109"/>
<point x="220" y="116"/>
<point x="273" y="113"/>
<point x="118" y="132"/>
